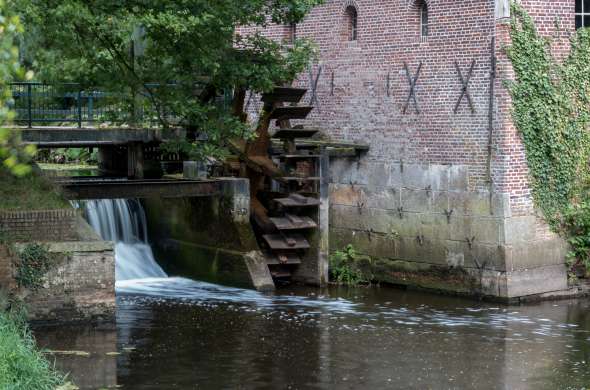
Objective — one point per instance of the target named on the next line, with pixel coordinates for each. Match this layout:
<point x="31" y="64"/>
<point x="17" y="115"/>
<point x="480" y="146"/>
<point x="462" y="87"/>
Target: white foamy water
<point x="123" y="221"/>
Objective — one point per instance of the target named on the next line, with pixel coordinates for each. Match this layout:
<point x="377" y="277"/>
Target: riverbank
<point x="22" y="365"/>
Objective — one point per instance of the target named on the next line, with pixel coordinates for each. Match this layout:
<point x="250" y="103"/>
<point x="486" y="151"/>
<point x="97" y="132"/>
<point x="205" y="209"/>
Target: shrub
<point x="576" y="224"/>
<point x="343" y="268"/>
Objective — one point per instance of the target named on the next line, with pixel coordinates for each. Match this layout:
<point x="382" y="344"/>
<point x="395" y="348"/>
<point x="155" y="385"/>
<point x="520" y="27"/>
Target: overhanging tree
<point x="13" y="158"/>
<point x="176" y="55"/>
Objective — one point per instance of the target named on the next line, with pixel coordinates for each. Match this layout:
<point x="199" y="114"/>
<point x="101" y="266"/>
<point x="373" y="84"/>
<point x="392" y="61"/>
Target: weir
<point x="123" y="221"/>
<point x="126" y="223"/>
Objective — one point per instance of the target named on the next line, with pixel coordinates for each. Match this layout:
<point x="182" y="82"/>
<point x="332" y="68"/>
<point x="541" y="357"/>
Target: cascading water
<point x="137" y="272"/>
<point x="123" y="221"/>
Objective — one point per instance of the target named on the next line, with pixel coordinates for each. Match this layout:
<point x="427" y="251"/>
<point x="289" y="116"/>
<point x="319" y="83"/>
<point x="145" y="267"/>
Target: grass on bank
<point x="32" y="192"/>
<point x="22" y="366"/>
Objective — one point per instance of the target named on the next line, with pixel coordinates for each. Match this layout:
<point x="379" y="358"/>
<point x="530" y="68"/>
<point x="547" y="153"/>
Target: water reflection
<point x="177" y="333"/>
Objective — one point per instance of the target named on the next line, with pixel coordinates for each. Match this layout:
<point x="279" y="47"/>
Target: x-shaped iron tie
<point x="465" y="87"/>
<point x="412" y="81"/>
<point x="313" y="101"/>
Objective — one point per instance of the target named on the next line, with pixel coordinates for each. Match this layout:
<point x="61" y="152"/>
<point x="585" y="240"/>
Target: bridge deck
<point x="97" y="188"/>
<point x="58" y="137"/>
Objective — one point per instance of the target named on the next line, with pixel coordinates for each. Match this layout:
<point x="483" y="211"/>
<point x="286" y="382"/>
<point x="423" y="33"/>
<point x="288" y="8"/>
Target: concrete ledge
<point x="539" y="280"/>
<point x="81" y="246"/>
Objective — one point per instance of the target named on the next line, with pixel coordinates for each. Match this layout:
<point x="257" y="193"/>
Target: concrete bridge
<point x="74" y="137"/>
<point x="121" y="149"/>
<point x="100" y="188"/>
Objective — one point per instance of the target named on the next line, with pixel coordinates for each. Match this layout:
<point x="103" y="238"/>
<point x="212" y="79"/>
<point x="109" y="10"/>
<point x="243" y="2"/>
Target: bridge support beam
<point x="135" y="161"/>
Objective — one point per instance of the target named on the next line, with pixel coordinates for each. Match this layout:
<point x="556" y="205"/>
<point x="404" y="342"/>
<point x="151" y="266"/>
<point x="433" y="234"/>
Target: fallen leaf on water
<point x="74" y="353"/>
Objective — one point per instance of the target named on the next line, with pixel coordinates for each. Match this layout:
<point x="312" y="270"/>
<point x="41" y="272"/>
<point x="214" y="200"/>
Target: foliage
<point x="343" y="267"/>
<point x="34" y="260"/>
<point x="576" y="224"/>
<point x="13" y="158"/>
<point x="169" y="58"/>
<point x="552" y="111"/>
<point x="22" y="366"/>
<point x="69" y="155"/>
<point x="32" y="192"/>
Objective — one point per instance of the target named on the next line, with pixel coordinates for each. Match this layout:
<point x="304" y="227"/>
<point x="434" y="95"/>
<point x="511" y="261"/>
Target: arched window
<point x="352" y="23"/>
<point x="424" y="20"/>
<point x="582" y="13"/>
<point x="292" y="32"/>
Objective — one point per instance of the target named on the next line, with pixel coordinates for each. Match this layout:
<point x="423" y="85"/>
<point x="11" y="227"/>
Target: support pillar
<point x="135" y="161"/>
<point x="324" y="218"/>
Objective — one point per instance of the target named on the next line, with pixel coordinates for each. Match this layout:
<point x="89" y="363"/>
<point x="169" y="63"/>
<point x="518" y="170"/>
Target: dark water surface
<point x="179" y="334"/>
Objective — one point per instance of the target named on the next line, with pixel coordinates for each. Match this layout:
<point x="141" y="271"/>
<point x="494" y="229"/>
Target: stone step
<point x="285" y="113"/>
<point x="297" y="178"/>
<point x="280" y="242"/>
<point x="284" y="94"/>
<point x="298" y="156"/>
<point x="284" y="259"/>
<point x="296" y="200"/>
<point x="280" y="274"/>
<point x="293" y="222"/>
<point x="295" y="133"/>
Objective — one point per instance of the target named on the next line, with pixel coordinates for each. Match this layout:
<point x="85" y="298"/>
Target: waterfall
<point x="123" y="221"/>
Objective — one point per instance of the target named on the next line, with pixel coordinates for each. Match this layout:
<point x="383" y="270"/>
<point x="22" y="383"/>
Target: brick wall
<point x="359" y="106"/>
<point x="80" y="287"/>
<point x="40" y="225"/>
<point x="423" y="194"/>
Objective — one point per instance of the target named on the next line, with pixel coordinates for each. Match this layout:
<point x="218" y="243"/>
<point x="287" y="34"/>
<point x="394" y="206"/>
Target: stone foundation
<point x="80" y="285"/>
<point x="422" y="221"/>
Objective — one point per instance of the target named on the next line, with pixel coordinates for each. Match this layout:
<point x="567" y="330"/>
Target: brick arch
<point x="416" y="4"/>
<point x="350" y="3"/>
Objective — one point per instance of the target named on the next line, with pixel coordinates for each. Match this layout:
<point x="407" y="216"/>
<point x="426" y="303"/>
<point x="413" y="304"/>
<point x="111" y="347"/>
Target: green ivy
<point x="34" y="262"/>
<point x="551" y="109"/>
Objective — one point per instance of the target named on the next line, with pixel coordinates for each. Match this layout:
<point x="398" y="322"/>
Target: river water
<point x="175" y="333"/>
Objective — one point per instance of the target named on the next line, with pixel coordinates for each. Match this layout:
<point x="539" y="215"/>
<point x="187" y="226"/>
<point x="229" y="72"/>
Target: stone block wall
<point x="80" y="287"/>
<point x="40" y="225"/>
<point x="422" y="217"/>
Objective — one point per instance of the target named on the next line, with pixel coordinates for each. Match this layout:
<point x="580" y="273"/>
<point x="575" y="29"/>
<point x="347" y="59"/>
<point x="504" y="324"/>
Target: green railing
<point x="69" y="103"/>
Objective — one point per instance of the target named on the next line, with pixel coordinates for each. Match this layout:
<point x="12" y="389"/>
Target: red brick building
<point x="444" y="184"/>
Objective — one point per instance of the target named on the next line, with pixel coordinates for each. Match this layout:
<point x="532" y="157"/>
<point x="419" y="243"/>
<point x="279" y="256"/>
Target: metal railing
<point x="44" y="104"/>
<point x="37" y="103"/>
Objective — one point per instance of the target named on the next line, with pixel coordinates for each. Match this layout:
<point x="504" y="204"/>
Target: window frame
<point x="582" y="15"/>
<point x="292" y="33"/>
<point x="352" y="17"/>
<point x="424" y="21"/>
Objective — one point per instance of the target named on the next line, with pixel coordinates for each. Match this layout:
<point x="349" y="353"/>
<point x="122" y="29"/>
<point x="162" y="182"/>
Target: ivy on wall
<point x="551" y="109"/>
